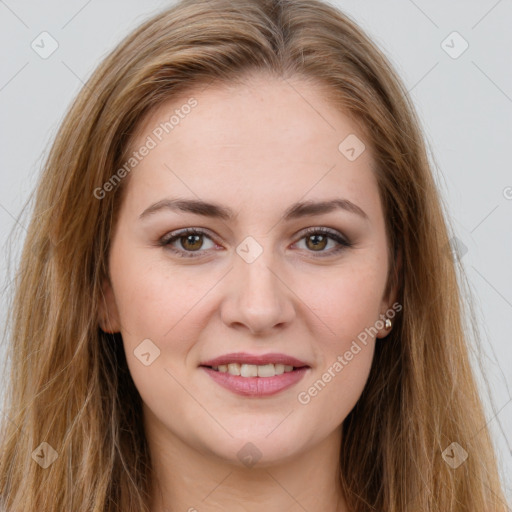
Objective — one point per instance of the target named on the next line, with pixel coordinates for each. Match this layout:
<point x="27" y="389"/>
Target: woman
<point x="235" y="292"/>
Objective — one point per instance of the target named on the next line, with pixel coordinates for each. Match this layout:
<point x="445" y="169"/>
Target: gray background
<point x="464" y="103"/>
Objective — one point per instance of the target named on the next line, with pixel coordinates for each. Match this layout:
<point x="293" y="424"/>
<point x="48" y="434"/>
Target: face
<point x="266" y="275"/>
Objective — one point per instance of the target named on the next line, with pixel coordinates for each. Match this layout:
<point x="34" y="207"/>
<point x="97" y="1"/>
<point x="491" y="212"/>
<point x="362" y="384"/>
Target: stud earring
<point x="388" y="324"/>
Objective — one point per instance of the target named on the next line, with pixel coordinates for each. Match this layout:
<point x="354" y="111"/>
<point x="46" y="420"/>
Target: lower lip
<point x="256" y="386"/>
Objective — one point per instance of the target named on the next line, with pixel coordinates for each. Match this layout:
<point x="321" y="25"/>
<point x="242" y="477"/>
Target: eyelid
<point x="335" y="235"/>
<point x="177" y="234"/>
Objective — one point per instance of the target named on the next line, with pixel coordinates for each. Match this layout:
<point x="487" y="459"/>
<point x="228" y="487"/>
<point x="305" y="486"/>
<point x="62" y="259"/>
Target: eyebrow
<point x="214" y="210"/>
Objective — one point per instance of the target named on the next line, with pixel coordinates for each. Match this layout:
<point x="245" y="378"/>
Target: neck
<point x="190" y="479"/>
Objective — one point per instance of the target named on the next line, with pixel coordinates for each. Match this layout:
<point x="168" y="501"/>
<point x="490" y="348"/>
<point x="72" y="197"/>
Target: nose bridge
<point x="259" y="298"/>
<point x="259" y="278"/>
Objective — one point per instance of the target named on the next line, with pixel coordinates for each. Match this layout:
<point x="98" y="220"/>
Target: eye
<point x="317" y="239"/>
<point x="191" y="241"/>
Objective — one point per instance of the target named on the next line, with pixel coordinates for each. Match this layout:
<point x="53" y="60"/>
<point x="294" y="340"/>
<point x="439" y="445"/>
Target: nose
<point x="257" y="297"/>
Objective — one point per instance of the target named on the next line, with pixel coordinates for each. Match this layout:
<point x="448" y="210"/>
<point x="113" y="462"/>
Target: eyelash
<point x="333" y="235"/>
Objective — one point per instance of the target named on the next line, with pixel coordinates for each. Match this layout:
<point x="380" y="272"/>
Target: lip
<point x="245" y="358"/>
<point x="256" y="386"/>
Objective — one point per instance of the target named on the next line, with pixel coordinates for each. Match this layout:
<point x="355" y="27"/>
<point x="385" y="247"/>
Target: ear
<point x="108" y="315"/>
<point x="390" y="299"/>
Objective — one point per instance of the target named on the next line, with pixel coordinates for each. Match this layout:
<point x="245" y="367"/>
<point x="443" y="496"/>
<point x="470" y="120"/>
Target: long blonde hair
<point x="69" y="383"/>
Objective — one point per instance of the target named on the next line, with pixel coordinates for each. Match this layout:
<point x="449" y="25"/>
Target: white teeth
<point x="248" y="370"/>
<point x="253" y="370"/>
<point x="234" y="368"/>
<point x="266" y="370"/>
<point x="279" y="368"/>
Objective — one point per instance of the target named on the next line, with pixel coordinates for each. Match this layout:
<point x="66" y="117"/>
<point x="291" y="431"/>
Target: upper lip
<point x="244" y="358"/>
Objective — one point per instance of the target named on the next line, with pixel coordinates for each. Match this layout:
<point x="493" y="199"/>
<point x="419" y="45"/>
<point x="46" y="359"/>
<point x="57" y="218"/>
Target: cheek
<point x="153" y="298"/>
<point x="345" y="345"/>
<point x="346" y="300"/>
<point x="161" y="306"/>
<point x="346" y="305"/>
<point x="332" y="392"/>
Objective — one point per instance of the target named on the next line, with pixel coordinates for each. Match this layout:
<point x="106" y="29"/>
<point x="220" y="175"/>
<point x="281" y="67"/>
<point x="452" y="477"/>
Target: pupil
<point x="318" y="243"/>
<point x="192" y="239"/>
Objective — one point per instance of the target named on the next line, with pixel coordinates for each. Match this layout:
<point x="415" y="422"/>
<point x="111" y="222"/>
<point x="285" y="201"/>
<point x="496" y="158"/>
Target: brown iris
<point x="192" y="242"/>
<point x="317" y="244"/>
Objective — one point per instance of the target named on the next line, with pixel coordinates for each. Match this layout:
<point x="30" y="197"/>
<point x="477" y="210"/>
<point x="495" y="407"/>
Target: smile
<point x="248" y="384"/>
<point x="253" y="370"/>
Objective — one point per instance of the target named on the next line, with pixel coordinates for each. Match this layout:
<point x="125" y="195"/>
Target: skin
<point x="256" y="148"/>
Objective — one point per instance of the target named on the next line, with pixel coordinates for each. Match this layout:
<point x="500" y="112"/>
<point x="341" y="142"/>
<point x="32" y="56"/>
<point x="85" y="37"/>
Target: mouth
<point x="253" y="375"/>
<point x="252" y="370"/>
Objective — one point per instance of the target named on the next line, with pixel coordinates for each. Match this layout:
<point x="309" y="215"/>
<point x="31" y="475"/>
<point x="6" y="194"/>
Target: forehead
<point x="265" y="141"/>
